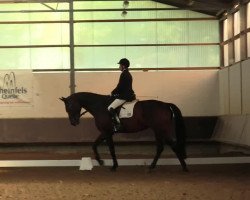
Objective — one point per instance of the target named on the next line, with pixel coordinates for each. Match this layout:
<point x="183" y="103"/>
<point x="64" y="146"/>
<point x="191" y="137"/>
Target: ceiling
<point x="211" y="7"/>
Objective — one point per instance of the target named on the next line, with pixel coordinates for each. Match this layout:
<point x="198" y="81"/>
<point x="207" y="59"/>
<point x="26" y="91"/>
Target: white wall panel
<point x="234" y="127"/>
<point x="224" y="91"/>
<point x="235" y="89"/>
<point x="246" y="87"/>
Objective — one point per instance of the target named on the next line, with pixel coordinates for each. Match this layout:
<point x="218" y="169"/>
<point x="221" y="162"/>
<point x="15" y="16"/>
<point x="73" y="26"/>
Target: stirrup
<point x="117" y="128"/>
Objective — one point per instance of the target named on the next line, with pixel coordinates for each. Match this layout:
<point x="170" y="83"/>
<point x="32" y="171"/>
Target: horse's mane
<point x="90" y="95"/>
<point x="92" y="98"/>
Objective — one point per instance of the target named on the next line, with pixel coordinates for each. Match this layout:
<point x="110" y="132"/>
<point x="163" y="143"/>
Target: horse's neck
<point x="93" y="102"/>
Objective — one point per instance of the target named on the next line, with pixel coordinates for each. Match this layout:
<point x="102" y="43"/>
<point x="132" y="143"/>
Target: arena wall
<point x="233" y="125"/>
<point x="196" y="92"/>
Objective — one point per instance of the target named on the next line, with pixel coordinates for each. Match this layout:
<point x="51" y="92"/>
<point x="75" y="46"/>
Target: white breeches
<point x="116" y="103"/>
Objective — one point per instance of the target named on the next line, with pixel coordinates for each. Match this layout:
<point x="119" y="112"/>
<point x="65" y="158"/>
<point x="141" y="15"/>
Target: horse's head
<point x="73" y="109"/>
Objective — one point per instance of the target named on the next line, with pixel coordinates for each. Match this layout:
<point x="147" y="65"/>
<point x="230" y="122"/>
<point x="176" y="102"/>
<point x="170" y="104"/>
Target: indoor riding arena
<point x="185" y="137"/>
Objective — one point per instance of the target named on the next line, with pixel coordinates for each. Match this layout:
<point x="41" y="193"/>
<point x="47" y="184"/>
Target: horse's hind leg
<point x="159" y="149"/>
<point x="174" y="146"/>
<point x="181" y="159"/>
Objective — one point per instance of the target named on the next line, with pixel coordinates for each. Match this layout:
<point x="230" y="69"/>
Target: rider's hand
<point x="115" y="95"/>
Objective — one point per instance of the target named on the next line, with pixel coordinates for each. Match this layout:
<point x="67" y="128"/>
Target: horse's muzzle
<point x="74" y="122"/>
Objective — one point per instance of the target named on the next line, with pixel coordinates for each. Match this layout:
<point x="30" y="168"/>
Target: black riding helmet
<point x="125" y="62"/>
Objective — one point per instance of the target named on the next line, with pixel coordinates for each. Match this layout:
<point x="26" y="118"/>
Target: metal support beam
<point x="72" y="54"/>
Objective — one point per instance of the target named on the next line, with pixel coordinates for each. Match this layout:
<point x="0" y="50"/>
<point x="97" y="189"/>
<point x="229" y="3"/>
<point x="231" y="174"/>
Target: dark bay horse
<point x="161" y="117"/>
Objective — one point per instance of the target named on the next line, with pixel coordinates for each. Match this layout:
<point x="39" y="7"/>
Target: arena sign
<point x="15" y="87"/>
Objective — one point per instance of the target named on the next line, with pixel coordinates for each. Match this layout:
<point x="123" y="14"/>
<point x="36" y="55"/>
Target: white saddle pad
<point x="127" y="109"/>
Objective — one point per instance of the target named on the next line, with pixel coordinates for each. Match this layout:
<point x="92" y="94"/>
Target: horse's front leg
<point x="97" y="142"/>
<point x="112" y="152"/>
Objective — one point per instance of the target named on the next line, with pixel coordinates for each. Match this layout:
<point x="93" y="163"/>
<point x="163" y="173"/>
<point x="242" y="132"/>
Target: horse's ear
<point x="62" y="99"/>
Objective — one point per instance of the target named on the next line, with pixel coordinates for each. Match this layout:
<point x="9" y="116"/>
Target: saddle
<point x="126" y="110"/>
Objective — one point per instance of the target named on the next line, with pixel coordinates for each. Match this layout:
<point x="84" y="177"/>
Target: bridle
<point x="64" y="100"/>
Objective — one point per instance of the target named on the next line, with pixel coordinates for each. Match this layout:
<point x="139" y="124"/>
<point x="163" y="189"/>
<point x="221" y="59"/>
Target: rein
<point x="83" y="113"/>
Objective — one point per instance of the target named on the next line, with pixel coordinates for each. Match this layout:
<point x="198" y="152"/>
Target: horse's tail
<point x="180" y="131"/>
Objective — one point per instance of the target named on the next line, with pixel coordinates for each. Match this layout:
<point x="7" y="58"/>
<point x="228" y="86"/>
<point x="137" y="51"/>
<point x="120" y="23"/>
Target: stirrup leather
<point x="115" y="120"/>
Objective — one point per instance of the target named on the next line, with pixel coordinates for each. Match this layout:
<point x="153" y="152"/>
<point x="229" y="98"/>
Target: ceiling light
<point x="124" y="13"/>
<point x="125" y="4"/>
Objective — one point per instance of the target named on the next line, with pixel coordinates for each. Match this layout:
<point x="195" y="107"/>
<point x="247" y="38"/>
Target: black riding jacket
<point x="124" y="88"/>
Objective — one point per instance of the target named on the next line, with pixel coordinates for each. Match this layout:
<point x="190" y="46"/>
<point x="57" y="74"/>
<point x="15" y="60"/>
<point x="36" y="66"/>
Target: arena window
<point x="38" y="36"/>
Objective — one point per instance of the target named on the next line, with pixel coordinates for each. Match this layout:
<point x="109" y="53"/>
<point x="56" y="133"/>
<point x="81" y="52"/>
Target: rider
<point x="122" y="93"/>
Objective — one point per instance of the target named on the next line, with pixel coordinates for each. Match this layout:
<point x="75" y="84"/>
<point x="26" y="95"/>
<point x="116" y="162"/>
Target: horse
<point x="164" y="119"/>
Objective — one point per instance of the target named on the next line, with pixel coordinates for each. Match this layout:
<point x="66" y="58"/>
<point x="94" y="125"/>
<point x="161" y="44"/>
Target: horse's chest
<point x="102" y="121"/>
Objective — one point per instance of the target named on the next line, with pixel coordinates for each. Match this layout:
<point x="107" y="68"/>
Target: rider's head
<point x="124" y="62"/>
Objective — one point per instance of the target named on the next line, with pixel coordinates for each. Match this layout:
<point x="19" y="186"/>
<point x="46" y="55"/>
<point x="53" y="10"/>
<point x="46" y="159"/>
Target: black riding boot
<point x="115" y="120"/>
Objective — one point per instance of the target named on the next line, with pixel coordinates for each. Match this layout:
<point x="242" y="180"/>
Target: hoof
<point x="101" y="162"/>
<point x="185" y="170"/>
<point x="151" y="168"/>
<point x="113" y="169"/>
